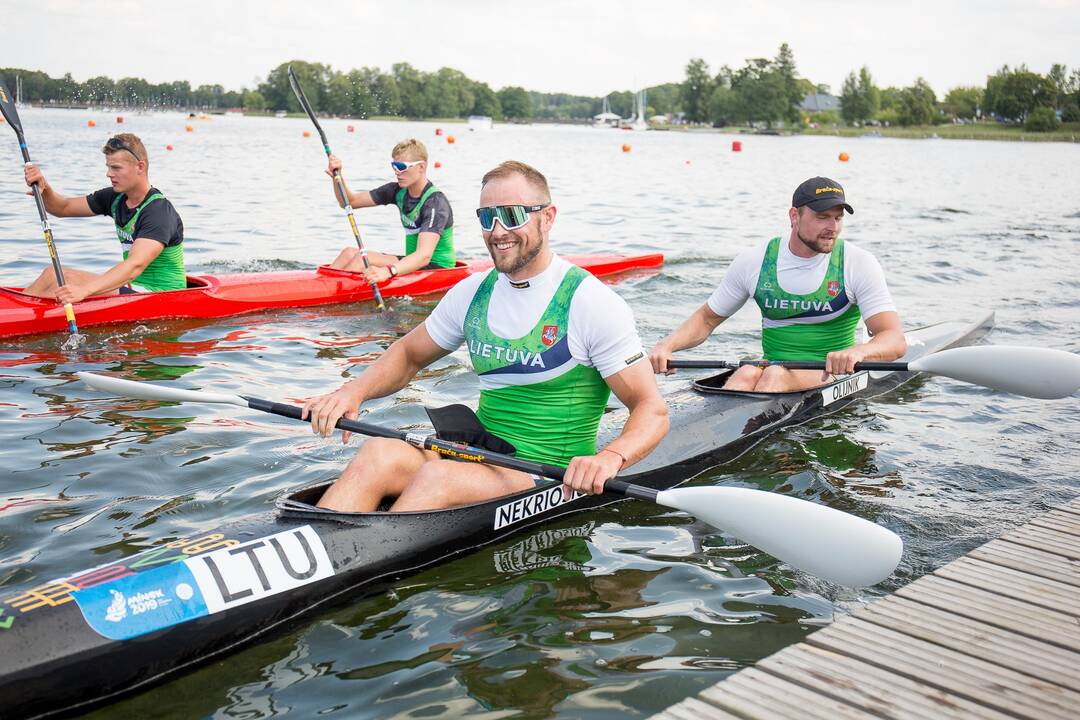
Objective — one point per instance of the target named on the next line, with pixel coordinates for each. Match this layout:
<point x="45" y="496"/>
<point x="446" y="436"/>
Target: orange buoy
<point x="307" y="133"/>
<point x="625" y="148"/>
<point x="438" y="131"/>
<point x="350" y="128"/>
<point x="169" y="148"/>
<point x="438" y="164"/>
<point x="91" y="123"/>
<point x="844" y="157"/>
<point x="189" y="128"/>
<point x="119" y="119"/>
<point x="736" y="146"/>
<point x="449" y="139"/>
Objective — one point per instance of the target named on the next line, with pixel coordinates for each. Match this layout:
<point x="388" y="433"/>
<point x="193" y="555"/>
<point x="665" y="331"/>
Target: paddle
<point x="338" y="180"/>
<point x="1035" y="372"/>
<point x="834" y="545"/>
<point x="7" y="106"/>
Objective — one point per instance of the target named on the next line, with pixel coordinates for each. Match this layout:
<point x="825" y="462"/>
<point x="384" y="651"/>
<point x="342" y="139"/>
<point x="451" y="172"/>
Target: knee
<point x="430" y="482"/>
<point x="772" y="380"/>
<point x="378" y="455"/>
<point x="743" y="379"/>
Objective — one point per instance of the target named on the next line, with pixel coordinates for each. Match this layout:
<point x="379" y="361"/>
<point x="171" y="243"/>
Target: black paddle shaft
<point x="454" y="451"/>
<point x="790" y="364"/>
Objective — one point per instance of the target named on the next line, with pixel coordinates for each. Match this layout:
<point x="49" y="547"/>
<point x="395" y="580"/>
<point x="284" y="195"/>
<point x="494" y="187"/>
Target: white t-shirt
<point x="601" y="332"/>
<point x="864" y="281"/>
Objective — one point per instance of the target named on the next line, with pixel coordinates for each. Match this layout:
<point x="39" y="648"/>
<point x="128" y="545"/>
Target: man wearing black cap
<point x="812" y="291"/>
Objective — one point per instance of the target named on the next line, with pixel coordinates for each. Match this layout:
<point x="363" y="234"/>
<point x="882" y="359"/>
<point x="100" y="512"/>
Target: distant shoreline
<point x="1069" y="132"/>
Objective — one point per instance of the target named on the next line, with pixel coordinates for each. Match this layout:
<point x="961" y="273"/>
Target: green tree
<point x="917" y="104"/>
<point x="1042" y="119"/>
<point x="695" y="91"/>
<point x="784" y="67"/>
<point x="963" y="102"/>
<point x="254" y="101"/>
<point x="1012" y="94"/>
<point x="338" y="99"/>
<point x="516" y="103"/>
<point x="485" y="101"/>
<point x="761" y="92"/>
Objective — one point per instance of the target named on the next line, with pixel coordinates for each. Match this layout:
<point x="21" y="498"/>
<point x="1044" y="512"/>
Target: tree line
<point x="763" y="92"/>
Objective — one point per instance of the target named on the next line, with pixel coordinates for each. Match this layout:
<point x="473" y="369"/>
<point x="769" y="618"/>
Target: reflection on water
<point x="617" y="613"/>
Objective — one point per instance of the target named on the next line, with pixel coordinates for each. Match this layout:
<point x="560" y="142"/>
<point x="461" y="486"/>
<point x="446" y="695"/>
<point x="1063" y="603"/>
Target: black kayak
<point x="85" y="638"/>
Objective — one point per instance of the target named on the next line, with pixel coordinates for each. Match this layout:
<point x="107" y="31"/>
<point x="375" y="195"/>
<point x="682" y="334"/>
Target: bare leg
<point x="744" y="378"/>
<point x="777" y="379"/>
<point x="349" y="259"/>
<point x="382" y="467"/>
<point x="447" y="483"/>
<point x="45" y="284"/>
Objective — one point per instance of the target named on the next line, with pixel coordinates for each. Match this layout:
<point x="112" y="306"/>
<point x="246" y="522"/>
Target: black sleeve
<point x="100" y="201"/>
<point x="159" y="221"/>
<point x="436" y="214"/>
<point x="385" y="194"/>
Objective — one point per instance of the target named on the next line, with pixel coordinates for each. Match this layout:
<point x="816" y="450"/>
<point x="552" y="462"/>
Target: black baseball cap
<point x="818" y="194"/>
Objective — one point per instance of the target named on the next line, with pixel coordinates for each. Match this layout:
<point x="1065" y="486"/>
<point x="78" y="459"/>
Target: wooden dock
<point x="994" y="634"/>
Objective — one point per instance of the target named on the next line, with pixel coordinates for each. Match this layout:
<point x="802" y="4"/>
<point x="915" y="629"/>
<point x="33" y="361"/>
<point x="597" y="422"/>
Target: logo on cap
<point x="829" y="188"/>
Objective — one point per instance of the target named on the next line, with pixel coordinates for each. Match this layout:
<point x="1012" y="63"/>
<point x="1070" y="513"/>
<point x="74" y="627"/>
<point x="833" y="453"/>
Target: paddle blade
<point x="150" y="391"/>
<point x="1035" y="372"/>
<point x="7" y="107"/>
<point x="833" y="545"/>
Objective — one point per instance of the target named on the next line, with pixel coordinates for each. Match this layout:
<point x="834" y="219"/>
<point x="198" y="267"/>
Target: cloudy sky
<point x="587" y="47"/>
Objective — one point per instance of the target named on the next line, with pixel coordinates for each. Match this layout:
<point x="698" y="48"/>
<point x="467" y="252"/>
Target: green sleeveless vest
<point x="534" y="394"/>
<point x="805" y="327"/>
<point x="166" y="271"/>
<point x="444" y="248"/>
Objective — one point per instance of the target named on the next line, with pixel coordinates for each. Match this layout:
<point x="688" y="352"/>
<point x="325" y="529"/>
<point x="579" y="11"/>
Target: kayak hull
<point x="59" y="653"/>
<point x="215" y="296"/>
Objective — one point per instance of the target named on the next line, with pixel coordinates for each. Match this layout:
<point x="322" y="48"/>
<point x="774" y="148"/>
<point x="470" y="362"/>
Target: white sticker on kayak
<point x="255" y="569"/>
<point x="847" y="386"/>
<point x="531" y="505"/>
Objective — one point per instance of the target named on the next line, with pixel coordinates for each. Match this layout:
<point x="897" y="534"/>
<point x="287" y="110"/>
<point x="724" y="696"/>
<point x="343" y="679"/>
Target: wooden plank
<point x="1059" y="520"/>
<point x="796" y="700"/>
<point x="753" y="706"/>
<point x="1016" y="652"/>
<point x="1013" y="583"/>
<point x="1049" y="626"/>
<point x="985" y="683"/>
<point x="694" y="709"/>
<point x="1049" y="541"/>
<point x="880" y="693"/>
<point x="1033" y="562"/>
<point x="1073" y="506"/>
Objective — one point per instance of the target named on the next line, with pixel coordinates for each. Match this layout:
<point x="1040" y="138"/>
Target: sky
<point x="582" y="47"/>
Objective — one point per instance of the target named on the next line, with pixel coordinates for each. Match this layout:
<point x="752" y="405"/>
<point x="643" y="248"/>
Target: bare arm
<point x="361" y="199"/>
<point x="644" y="429"/>
<point x="142" y="253"/>
<point x="886" y="343"/>
<point x="694" y="331"/>
<point x="391" y="372"/>
<point x="55" y="203"/>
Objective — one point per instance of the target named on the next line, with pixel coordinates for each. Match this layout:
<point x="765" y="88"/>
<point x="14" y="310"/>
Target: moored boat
<point x="214" y="296"/>
<point x="84" y="638"/>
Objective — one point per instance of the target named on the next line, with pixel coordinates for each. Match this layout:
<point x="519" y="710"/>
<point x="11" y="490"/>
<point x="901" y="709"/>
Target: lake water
<point x="610" y="614"/>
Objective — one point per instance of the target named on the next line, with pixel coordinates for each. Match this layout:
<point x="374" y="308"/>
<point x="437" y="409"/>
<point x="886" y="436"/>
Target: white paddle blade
<point x="830" y="544"/>
<point x="1034" y="372"/>
<point x="149" y="391"/>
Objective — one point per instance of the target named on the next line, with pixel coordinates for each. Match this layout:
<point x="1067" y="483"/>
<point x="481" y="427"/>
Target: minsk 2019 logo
<point x="834" y="288"/>
<point x="550" y="335"/>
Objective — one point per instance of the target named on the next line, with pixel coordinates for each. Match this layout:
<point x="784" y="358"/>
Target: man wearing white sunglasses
<point x="424" y="211"/>
<point x="549" y="343"/>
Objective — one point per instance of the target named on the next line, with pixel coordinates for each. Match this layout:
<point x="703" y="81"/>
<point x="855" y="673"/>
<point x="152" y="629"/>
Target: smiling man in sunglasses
<point x="812" y="288"/>
<point x="424" y="210"/>
<point x="549" y="343"/>
<point x="150" y="231"/>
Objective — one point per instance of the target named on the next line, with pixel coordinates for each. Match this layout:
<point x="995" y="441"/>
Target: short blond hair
<point x="132" y="141"/>
<point x="411" y="149"/>
<point x="534" y="177"/>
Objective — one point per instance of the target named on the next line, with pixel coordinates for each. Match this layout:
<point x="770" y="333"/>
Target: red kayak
<point x="213" y="296"/>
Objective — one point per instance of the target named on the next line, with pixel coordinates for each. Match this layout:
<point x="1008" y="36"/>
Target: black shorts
<point x="429" y="266"/>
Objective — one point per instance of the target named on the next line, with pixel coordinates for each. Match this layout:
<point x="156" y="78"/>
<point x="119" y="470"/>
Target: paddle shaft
<point x="339" y="182"/>
<point x="452" y="450"/>
<point x="790" y="364"/>
<point x="12" y="116"/>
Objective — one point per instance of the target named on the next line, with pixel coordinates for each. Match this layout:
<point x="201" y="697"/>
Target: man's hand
<point x="326" y="410"/>
<point x="588" y="473"/>
<point x="71" y="293"/>
<point x="659" y="357"/>
<point x="375" y="275"/>
<point x="333" y="165"/>
<point x="842" y="362"/>
<point x="33" y="175"/>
